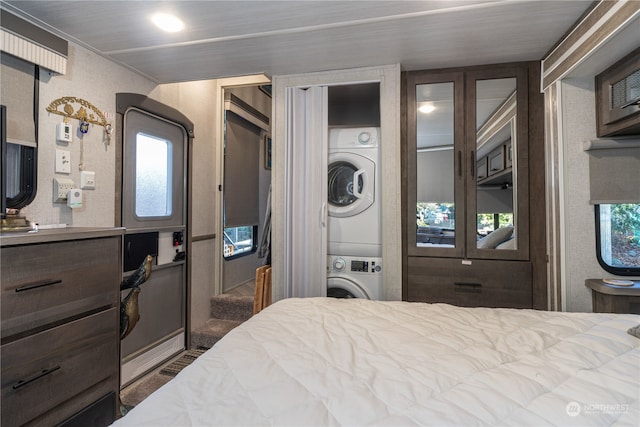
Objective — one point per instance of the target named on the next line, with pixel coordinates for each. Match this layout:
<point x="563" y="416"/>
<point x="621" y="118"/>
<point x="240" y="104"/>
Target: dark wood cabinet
<point x="60" y="334"/>
<point x="618" y="97"/>
<point x="470" y="283"/>
<point x="482" y="162"/>
<point x="609" y="298"/>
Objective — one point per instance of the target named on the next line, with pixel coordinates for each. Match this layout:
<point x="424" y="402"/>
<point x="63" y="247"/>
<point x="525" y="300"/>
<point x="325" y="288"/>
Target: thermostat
<point x="63" y="132"/>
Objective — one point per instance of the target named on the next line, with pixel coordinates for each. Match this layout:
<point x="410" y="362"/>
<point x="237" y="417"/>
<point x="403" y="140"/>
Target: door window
<point x="153" y="176"/>
<point x="341" y="177"/>
<point x="154" y="165"/>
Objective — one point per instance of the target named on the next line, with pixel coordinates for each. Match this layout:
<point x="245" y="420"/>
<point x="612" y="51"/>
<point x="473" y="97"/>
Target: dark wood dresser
<point x="60" y="320"/>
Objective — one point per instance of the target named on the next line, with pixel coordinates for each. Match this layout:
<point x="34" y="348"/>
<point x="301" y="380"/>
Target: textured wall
<point x="579" y="118"/>
<point x="96" y="80"/>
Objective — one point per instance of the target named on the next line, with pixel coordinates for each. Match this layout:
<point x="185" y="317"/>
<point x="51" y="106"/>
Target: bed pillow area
<point x="496" y="237"/>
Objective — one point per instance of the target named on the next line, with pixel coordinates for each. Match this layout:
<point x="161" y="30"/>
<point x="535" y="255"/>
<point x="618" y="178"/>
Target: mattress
<point x="325" y="361"/>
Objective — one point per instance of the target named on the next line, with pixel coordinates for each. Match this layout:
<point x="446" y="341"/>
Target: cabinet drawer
<point x="46" y="283"/>
<point x="508" y="159"/>
<point x="496" y="161"/>
<point x="482" y="168"/>
<point x="49" y="376"/>
<point x="484" y="283"/>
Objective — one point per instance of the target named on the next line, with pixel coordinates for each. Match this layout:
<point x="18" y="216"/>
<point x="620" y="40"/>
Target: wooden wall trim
<point x="203" y="237"/>
<point x="537" y="184"/>
<point x="604" y="21"/>
<point x="553" y="197"/>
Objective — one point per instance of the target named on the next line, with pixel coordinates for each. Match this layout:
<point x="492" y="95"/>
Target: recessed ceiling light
<point x="167" y="22"/>
<point x="427" y="108"/>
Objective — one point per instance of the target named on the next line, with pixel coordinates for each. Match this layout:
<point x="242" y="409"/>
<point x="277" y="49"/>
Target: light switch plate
<point x="87" y="180"/>
<point x="63" y="161"/>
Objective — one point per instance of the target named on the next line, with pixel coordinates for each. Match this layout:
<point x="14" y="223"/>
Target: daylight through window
<point x="618" y="238"/>
<point x="239" y="241"/>
<point x="153" y="176"/>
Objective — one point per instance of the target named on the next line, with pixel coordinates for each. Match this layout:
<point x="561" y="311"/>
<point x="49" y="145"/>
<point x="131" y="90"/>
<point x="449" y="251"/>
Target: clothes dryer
<point x="354" y="277"/>
<point x="354" y="224"/>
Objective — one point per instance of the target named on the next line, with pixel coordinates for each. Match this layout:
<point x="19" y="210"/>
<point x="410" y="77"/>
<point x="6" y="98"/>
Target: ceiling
<point x="233" y="38"/>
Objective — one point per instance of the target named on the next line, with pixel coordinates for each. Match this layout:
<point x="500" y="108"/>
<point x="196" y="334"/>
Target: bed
<point x="325" y="361"/>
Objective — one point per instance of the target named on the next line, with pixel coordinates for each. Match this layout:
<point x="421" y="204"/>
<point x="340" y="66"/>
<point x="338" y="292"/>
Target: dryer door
<point x="351" y="184"/>
<point x="340" y="287"/>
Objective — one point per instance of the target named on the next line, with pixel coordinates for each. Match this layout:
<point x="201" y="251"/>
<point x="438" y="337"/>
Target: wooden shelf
<point x="500" y="178"/>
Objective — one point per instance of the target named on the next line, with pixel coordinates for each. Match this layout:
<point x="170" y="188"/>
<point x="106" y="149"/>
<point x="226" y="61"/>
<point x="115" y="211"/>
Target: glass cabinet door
<point x="434" y="163"/>
<point x="467" y="164"/>
<point x="497" y="188"/>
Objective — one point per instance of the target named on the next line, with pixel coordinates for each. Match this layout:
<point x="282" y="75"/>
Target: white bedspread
<point x="324" y="361"/>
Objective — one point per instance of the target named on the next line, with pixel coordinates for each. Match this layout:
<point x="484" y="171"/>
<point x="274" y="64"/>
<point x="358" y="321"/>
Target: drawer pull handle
<point x="38" y="285"/>
<point x="468" y="284"/>
<point x="35" y="377"/>
<point x="473" y="164"/>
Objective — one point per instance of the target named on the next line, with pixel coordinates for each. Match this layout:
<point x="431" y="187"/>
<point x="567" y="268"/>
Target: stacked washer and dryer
<point x="355" y="235"/>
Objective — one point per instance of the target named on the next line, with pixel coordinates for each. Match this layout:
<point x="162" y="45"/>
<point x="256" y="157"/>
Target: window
<point x="20" y="175"/>
<point x="618" y="238"/>
<point x="19" y="94"/>
<point x="488" y="222"/>
<point x="435" y="214"/>
<point x="153" y="176"/>
<point x="239" y="241"/>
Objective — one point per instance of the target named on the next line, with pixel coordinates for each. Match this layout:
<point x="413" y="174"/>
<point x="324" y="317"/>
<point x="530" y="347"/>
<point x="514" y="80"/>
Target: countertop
<point x="606" y="288"/>
<point x="57" y="235"/>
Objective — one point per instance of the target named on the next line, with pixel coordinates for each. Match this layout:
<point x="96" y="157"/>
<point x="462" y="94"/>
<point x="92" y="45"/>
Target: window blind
<point x="241" y="162"/>
<point x="18" y="88"/>
<point x="614" y="175"/>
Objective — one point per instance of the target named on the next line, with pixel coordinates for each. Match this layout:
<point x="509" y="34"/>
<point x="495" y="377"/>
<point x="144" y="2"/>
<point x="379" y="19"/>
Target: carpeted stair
<point x="227" y="312"/>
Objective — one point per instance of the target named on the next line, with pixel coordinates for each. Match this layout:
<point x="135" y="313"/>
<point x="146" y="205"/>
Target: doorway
<point x="155" y="152"/>
<point x="244" y="180"/>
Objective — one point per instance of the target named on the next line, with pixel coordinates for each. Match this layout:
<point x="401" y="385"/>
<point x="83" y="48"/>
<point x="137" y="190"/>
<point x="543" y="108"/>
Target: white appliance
<point x="354" y="192"/>
<point x="354" y="277"/>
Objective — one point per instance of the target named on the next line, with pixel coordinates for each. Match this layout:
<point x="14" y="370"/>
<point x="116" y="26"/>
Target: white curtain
<point x="306" y="193"/>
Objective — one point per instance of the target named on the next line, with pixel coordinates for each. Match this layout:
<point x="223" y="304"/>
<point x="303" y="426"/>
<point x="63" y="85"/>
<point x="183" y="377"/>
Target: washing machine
<point x="354" y="223"/>
<point x="354" y="277"/>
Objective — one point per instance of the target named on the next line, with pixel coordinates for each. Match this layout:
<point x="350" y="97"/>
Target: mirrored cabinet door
<point x="435" y="211"/>
<point x="474" y="187"/>
<point x="467" y="164"/>
<point x="497" y="185"/>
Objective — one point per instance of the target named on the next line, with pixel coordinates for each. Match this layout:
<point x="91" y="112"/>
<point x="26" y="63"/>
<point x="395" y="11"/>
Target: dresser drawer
<point x="476" y="283"/>
<point x="49" y="282"/>
<point x="49" y="376"/>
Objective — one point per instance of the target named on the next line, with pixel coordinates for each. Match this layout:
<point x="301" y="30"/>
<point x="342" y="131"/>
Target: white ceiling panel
<point x="230" y="38"/>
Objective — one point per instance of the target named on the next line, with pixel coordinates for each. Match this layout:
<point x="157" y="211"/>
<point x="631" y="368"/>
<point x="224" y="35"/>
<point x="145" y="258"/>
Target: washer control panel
<point x="363" y="137"/>
<point x="342" y="264"/>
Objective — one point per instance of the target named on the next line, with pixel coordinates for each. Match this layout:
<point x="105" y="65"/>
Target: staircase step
<point x="231" y="307"/>
<point x="211" y="332"/>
